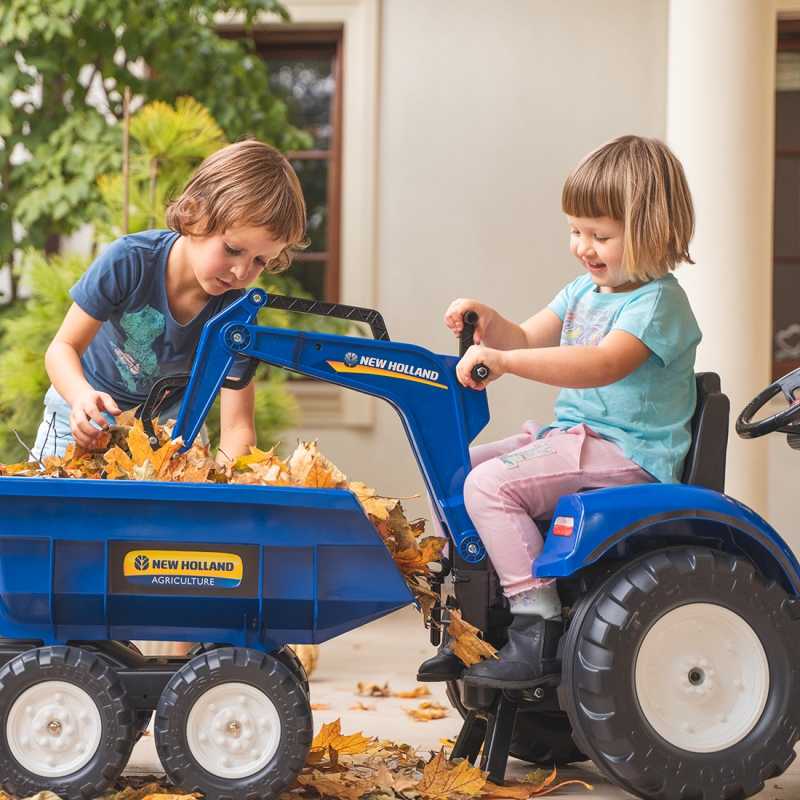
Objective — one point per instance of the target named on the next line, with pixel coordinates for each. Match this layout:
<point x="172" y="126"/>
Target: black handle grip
<point x="480" y="372"/>
<point x="470" y="320"/>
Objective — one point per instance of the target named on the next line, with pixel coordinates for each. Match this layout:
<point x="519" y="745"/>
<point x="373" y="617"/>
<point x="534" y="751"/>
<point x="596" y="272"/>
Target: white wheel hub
<point x="54" y="729"/>
<point x="233" y="730"/>
<point x="702" y="677"/>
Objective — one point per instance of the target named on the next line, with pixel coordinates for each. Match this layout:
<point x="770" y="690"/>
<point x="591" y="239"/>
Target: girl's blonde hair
<point x="640" y="183"/>
<point x="246" y="183"/>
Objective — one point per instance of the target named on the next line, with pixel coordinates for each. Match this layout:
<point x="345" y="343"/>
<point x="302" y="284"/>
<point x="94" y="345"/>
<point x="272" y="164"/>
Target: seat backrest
<point x="705" y="461"/>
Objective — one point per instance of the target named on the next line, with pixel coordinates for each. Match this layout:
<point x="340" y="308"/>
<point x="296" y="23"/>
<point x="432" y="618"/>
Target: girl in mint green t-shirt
<point x="620" y="340"/>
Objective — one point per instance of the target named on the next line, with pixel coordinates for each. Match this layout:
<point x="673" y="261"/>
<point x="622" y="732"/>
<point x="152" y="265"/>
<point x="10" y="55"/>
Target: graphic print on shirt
<point x="584" y="326"/>
<point x="136" y="361"/>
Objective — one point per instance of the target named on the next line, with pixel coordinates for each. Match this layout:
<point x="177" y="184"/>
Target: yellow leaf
<point x="373" y="690"/>
<point x="139" y="444"/>
<point x="420" y="691"/>
<point x="118" y="463"/>
<point x="426" y="712"/>
<point x="162" y="796"/>
<point x="330" y="736"/>
<point x="465" y="643"/>
<point x="441" y="779"/>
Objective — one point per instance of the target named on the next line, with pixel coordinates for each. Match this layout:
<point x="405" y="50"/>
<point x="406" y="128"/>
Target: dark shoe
<point x="444" y="666"/>
<point x="529" y="657"/>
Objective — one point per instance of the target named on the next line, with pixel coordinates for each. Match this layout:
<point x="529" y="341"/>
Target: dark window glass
<point x="304" y="71"/>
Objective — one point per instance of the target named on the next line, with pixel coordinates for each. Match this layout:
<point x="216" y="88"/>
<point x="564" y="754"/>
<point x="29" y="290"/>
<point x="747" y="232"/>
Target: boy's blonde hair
<point x="246" y="183"/>
<point x="640" y="183"/>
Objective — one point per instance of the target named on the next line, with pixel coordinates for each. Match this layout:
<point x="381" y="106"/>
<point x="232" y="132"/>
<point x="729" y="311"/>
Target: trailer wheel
<point x="233" y="721"/>
<point x="290" y="659"/>
<point x="65" y="724"/>
<point x="679" y="676"/>
<point x="540" y="737"/>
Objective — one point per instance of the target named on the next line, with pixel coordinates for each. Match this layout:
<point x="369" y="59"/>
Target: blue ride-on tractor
<point x="678" y="664"/>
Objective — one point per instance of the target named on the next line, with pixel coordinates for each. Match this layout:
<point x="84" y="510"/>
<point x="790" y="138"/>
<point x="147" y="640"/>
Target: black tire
<point x="289" y="658"/>
<point x="284" y="654"/>
<point x="599" y="679"/>
<point x="542" y="738"/>
<point x="211" y="670"/>
<point x="98" y="680"/>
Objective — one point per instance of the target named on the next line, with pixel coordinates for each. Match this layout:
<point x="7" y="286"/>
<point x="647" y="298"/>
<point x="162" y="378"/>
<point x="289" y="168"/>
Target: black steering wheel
<point x="786" y="421"/>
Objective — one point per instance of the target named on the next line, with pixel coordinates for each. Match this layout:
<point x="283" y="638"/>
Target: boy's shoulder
<point x="144" y="243"/>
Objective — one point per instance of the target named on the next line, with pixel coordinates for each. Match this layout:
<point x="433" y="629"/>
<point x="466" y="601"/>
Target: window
<point x="305" y="71"/>
<point x="786" y="241"/>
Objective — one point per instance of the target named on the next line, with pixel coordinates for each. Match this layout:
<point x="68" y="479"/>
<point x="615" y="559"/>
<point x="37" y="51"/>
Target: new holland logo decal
<point x="183" y="568"/>
<point x="371" y="365"/>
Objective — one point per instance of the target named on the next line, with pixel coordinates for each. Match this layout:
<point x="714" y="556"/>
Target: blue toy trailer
<point x="679" y="663"/>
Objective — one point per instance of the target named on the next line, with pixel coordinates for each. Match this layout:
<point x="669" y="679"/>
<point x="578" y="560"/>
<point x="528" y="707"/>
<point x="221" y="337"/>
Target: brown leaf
<point x="334" y="786"/>
<point x="426" y="712"/>
<point x="320" y="706"/>
<point x="419" y="691"/>
<point x="161" y="796"/>
<point x="361" y="707"/>
<point x="373" y="690"/>
<point x="465" y="641"/>
<point x="330" y="735"/>
<point x="440" y="778"/>
<point x="139" y="444"/>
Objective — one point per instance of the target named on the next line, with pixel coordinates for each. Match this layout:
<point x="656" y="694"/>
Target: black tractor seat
<point x="705" y="461"/>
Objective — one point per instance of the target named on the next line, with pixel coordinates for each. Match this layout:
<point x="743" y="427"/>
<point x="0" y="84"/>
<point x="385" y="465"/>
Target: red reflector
<point x="562" y="526"/>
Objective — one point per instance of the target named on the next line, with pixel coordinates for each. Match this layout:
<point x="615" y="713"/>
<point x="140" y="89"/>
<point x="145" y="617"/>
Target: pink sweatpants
<point x="519" y="479"/>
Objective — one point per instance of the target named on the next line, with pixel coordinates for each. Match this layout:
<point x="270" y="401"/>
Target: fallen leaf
<point x="330" y="735"/>
<point x="427" y="712"/>
<point x="320" y="706"/>
<point x="419" y="691"/>
<point x="361" y="707"/>
<point x="441" y="778"/>
<point x="373" y="690"/>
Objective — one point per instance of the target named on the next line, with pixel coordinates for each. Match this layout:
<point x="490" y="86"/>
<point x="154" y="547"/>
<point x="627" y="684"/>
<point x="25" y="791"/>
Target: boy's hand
<point x="480" y="354"/>
<point x="88" y="408"/>
<point x="454" y="316"/>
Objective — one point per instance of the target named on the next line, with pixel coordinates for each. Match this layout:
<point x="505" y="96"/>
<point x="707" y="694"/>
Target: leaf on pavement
<point x="330" y="736"/>
<point x="441" y="778"/>
<point x="419" y="691"/>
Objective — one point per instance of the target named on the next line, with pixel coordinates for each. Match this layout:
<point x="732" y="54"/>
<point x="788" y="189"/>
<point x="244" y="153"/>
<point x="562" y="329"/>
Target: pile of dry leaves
<point x="351" y="767"/>
<point x="125" y="453"/>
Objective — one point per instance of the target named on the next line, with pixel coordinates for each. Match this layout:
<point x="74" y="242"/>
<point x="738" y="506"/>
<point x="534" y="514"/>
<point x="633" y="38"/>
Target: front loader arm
<point x="439" y="415"/>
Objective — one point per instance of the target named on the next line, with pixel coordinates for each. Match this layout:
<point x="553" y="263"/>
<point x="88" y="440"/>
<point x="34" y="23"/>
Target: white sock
<point x="542" y="601"/>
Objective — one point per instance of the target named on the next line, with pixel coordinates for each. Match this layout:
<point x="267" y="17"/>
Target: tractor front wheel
<point x="679" y="676"/>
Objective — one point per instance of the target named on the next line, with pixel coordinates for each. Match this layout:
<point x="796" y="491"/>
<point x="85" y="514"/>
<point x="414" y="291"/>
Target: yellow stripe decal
<point x="340" y="366"/>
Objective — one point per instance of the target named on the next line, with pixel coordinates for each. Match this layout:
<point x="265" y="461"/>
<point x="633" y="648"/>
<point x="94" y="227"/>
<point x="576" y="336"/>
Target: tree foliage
<point x="64" y="65"/>
<point x="167" y="144"/>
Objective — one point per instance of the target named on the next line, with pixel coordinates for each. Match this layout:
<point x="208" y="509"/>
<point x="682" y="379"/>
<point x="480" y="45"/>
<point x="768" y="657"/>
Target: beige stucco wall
<point x="482" y="110"/>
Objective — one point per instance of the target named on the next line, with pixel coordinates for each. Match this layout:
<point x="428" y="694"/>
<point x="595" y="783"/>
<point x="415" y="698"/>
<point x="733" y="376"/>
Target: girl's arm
<point x="494" y="330"/>
<point x="574" y="367"/>
<point x="63" y="364"/>
<point x="237" y="422"/>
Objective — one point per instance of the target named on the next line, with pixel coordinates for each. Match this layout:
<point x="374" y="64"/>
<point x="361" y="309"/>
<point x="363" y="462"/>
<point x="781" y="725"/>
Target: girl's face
<point x="232" y="259"/>
<point x="597" y="242"/>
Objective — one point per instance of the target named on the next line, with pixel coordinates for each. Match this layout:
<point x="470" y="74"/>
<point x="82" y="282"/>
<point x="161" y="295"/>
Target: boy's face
<point x="597" y="242"/>
<point x="232" y="259"/>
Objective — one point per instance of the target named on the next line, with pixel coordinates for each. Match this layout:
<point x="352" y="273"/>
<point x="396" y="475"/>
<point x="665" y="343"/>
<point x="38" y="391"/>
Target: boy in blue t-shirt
<point x="139" y="309"/>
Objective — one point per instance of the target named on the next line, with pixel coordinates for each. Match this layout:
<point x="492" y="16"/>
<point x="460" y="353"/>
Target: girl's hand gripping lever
<point x="480" y="372"/>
